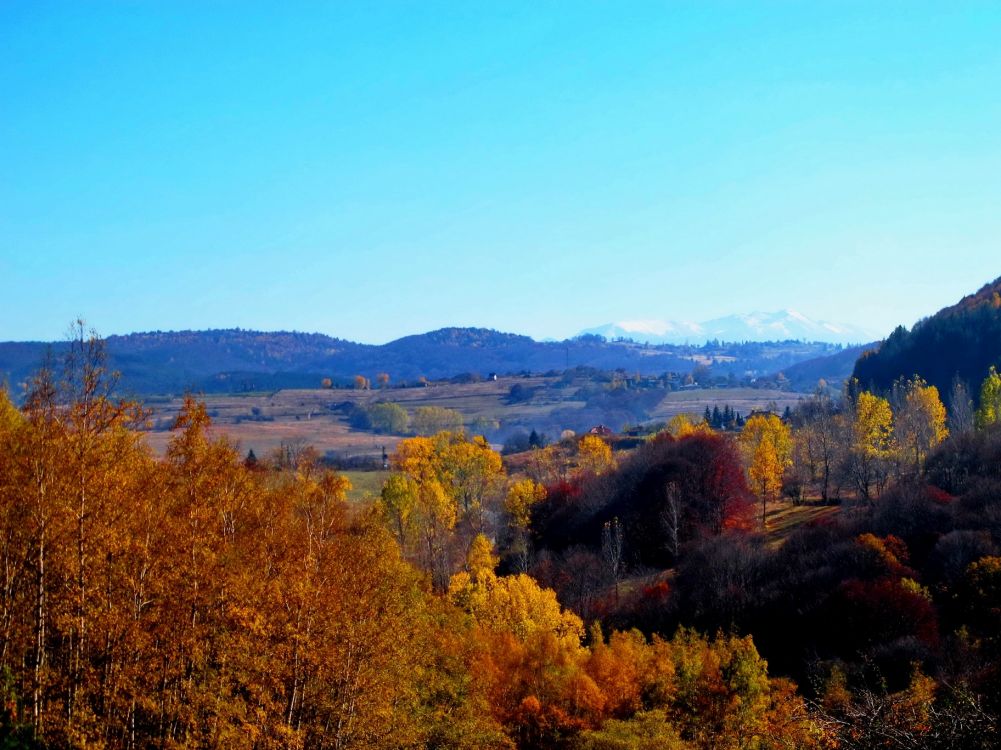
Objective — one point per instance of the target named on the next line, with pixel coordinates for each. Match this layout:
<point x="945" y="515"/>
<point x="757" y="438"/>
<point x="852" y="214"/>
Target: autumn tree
<point x="521" y="497"/>
<point x="594" y="455"/>
<point x="989" y="409"/>
<point x="767" y="444"/>
<point x="435" y="510"/>
<point x="872" y="444"/>
<point x="428" y="420"/>
<point x="920" y="422"/>
<point x="474" y="469"/>
<point x="448" y="482"/>
<point x="388" y="418"/>
<point x="682" y="425"/>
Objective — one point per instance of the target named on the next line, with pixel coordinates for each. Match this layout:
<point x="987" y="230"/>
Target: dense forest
<point x="595" y="593"/>
<point x="953" y="347"/>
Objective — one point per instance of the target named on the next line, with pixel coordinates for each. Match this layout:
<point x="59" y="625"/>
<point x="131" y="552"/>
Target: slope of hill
<point x="963" y="340"/>
<point x="233" y="361"/>
<point x="834" y="369"/>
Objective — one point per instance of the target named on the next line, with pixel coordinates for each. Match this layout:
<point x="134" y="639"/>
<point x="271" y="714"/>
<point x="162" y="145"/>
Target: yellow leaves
<point x="399" y="496"/>
<point x="920" y="423"/>
<point x="989" y="411"/>
<point x="873" y="425"/>
<point x="913" y="587"/>
<point x="481" y="560"/>
<point x="427" y="480"/>
<point x="521" y="498"/>
<point x="334" y="486"/>
<point x="429" y="420"/>
<point x="984" y="579"/>
<point x="767" y="444"/>
<point x="681" y="425"/>
<point x="516" y="605"/>
<point x="10" y="417"/>
<point x="594" y="455"/>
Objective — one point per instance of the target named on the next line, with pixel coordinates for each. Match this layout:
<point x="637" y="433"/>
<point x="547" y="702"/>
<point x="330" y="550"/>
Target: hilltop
<point x="962" y="341"/>
<point x="239" y="361"/>
<point x="782" y="325"/>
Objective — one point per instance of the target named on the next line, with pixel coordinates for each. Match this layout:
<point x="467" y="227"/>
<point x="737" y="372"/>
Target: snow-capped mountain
<point x="755" y="326"/>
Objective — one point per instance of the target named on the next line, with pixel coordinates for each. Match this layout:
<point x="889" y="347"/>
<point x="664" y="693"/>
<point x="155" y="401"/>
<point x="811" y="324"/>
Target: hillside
<point x="963" y="340"/>
<point x="238" y="361"/>
<point x="834" y="369"/>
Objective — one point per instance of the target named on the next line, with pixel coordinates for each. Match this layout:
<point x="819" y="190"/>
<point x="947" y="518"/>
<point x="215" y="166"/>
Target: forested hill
<point x="834" y="369"/>
<point x="963" y="340"/>
<point x="235" y="360"/>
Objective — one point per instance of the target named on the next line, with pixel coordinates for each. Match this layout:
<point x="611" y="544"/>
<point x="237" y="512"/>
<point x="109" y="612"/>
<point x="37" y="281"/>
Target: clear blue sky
<point x="374" y="169"/>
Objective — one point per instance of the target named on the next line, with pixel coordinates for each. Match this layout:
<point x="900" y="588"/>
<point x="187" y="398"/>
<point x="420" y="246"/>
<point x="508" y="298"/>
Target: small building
<point x="601" y="431"/>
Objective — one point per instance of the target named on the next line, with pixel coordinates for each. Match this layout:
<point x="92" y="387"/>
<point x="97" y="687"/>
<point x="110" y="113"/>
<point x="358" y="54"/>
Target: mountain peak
<point x="786" y="324"/>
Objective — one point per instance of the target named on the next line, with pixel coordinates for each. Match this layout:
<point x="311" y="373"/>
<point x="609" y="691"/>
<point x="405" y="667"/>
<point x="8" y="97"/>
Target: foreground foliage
<point x="204" y="601"/>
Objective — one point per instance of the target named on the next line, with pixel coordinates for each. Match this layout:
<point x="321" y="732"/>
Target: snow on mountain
<point x="755" y="326"/>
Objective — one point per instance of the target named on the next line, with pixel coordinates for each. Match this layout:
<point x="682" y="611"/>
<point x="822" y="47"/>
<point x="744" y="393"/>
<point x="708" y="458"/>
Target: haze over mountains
<point x="782" y="325"/>
<point x="236" y="360"/>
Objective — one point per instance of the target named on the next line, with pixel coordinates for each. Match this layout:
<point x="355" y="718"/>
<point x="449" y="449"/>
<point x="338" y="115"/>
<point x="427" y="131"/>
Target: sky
<point x="372" y="170"/>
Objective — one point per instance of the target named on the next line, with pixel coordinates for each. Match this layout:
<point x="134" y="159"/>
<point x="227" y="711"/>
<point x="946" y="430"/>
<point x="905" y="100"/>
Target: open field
<point x="744" y="400"/>
<point x="323" y="433"/>
<point x="365" y="484"/>
<point x="262" y="422"/>
<point x="783" y="518"/>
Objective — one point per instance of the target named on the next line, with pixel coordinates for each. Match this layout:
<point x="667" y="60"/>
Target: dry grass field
<point x="783" y="518"/>
<point x="262" y="422"/>
<point x="365" y="485"/>
<point x="744" y="400"/>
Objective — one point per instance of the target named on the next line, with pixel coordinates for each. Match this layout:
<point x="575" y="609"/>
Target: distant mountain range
<point x="783" y="325"/>
<point x="235" y="360"/>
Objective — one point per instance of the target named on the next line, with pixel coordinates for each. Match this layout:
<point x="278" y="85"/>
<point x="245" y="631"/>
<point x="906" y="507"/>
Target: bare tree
<point x="670" y="518"/>
<point x="611" y="551"/>
<point x="960" y="408"/>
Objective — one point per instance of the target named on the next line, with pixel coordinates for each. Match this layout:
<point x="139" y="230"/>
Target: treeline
<point x="691" y="482"/>
<point x="389" y="418"/>
<point x="958" y="343"/>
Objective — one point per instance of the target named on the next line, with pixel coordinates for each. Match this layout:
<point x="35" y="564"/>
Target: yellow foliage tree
<point x="594" y="455"/>
<point x="920" y="423"/>
<point x="767" y="444"/>
<point x="446" y="478"/>
<point x="681" y="425"/>
<point x="516" y="605"/>
<point x="989" y="411"/>
<point x="872" y="443"/>
<point x="522" y="496"/>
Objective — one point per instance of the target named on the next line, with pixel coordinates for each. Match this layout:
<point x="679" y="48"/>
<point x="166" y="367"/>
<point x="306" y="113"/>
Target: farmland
<point x="262" y="422"/>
